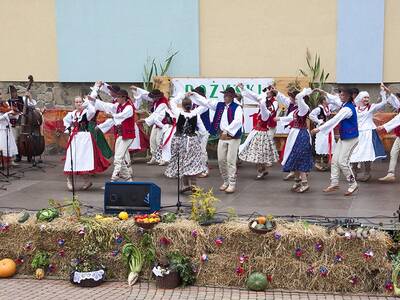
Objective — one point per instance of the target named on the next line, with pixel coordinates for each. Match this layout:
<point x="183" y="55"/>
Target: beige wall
<point x="391" y="63"/>
<point x="258" y="38"/>
<point x="28" y="40"/>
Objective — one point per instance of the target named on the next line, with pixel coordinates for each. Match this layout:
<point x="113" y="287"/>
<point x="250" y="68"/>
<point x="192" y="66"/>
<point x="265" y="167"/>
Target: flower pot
<point x="88" y="279"/>
<point x="168" y="281"/>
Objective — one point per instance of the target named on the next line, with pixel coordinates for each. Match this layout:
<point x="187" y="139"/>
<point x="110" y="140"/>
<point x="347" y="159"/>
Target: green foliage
<point x="40" y="260"/>
<point x="203" y="205"/>
<point x="317" y="75"/>
<point x="133" y="256"/>
<point x="183" y="266"/>
<point x="149" y="252"/>
<point x="47" y="214"/>
<point x="232" y="215"/>
<point x="151" y="69"/>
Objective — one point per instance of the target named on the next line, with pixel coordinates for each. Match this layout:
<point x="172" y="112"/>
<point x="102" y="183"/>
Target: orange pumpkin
<point x="261" y="220"/>
<point x="7" y="268"/>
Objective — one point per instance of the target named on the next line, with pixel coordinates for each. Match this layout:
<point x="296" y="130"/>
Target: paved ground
<point x="57" y="289"/>
<point x="270" y="196"/>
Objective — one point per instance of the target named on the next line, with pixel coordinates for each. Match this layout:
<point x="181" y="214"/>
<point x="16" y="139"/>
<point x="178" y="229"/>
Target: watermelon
<point x="23" y="217"/>
<point x="256" y="282"/>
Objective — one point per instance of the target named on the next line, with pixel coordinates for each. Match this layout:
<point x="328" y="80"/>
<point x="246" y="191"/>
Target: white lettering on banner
<point x="214" y="87"/>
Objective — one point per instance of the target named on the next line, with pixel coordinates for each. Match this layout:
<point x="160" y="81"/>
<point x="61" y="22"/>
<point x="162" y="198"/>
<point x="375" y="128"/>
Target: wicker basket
<point x="87" y="282"/>
<point x="262" y="231"/>
<point x="169" y="281"/>
<point x="146" y="225"/>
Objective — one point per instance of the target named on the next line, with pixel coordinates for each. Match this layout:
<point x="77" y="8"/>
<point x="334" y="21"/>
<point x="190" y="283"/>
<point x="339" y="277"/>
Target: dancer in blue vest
<point x="227" y="123"/>
<point x="347" y="119"/>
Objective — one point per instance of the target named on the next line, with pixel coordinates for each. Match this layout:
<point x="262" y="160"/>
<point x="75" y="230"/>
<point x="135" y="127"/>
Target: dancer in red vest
<point x="259" y="146"/>
<point x="158" y="103"/>
<point x="123" y="115"/>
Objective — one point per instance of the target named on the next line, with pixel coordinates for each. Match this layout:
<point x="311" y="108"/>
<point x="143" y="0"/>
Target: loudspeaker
<point x="132" y="197"/>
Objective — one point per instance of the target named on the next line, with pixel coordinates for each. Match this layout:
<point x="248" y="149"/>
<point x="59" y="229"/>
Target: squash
<point x="23" y="217"/>
<point x="39" y="274"/>
<point x="7" y="268"/>
<point x="256" y="282"/>
<point x="261" y="220"/>
<point x="123" y="215"/>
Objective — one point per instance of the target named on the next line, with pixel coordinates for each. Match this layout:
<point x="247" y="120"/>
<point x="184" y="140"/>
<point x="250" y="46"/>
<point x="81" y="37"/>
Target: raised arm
<point x="392" y="124"/>
<point x="283" y="100"/>
<point x="302" y="105"/>
<point x="314" y="116"/>
<point x="105" y="106"/>
<point x="264" y="111"/>
<point x="247" y="93"/>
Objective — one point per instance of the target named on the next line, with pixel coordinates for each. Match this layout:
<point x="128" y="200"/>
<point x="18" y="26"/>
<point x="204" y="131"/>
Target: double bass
<point x="30" y="141"/>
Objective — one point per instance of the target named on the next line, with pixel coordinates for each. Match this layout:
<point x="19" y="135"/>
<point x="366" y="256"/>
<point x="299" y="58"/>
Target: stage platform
<point x="269" y="196"/>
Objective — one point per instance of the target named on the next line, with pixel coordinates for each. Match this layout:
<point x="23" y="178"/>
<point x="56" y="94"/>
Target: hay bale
<point x="273" y="254"/>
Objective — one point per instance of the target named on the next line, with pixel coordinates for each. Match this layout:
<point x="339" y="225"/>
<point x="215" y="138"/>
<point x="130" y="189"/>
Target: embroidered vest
<point x="157" y="103"/>
<point x="127" y="127"/>
<point x="348" y="128"/>
<point x="215" y="129"/>
<point x="271" y="120"/>
<point x="299" y="122"/>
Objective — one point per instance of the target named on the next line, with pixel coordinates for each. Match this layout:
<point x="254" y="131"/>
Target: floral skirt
<point x="300" y="157"/>
<point x="260" y="150"/>
<point x="191" y="159"/>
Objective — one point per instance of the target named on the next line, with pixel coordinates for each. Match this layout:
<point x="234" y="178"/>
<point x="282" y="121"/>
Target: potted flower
<point x="167" y="277"/>
<point x="87" y="271"/>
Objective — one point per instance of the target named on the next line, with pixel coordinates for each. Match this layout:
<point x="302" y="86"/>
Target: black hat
<point x="156" y="94"/>
<point x="200" y="90"/>
<point x="114" y="88"/>
<point x="229" y="90"/>
<point x="123" y="93"/>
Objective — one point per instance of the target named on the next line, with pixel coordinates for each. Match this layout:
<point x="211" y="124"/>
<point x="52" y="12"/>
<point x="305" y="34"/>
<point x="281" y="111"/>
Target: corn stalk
<point x="316" y="74"/>
<point x="151" y="69"/>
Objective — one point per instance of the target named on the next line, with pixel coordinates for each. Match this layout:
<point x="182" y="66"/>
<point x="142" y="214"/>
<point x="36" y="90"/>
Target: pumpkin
<point x="261" y="220"/>
<point x="39" y="274"/>
<point x="123" y="215"/>
<point x="256" y="282"/>
<point x="7" y="268"/>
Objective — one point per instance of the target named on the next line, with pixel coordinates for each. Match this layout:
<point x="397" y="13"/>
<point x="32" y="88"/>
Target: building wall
<point x="261" y="38"/>
<point x="82" y="41"/>
<point x="28" y="40"/>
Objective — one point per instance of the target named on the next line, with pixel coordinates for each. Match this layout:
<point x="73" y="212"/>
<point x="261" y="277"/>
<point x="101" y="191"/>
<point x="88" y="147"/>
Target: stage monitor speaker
<point x="132" y="197"/>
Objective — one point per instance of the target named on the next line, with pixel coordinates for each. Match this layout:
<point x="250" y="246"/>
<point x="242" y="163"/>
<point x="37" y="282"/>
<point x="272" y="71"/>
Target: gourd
<point x="7" y="268"/>
<point x="257" y="282"/>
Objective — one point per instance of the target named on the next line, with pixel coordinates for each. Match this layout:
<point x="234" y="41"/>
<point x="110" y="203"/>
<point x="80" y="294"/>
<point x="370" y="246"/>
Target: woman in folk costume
<point x="297" y="156"/>
<point x="290" y="105"/>
<point x="393" y="98"/>
<point x="348" y="131"/>
<point x="163" y="153"/>
<point x="158" y="103"/>
<point x="324" y="143"/>
<point x="83" y="156"/>
<point x="7" y="140"/>
<point x="187" y="159"/>
<point x="369" y="146"/>
<point x="259" y="147"/>
<point x="121" y="115"/>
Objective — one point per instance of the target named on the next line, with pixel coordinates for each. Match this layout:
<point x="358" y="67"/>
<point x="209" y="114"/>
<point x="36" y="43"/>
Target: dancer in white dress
<point x="324" y="143"/>
<point x="83" y="156"/>
<point x="369" y="147"/>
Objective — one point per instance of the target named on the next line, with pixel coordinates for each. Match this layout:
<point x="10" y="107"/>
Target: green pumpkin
<point x="257" y="282"/>
<point x="23" y="217"/>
